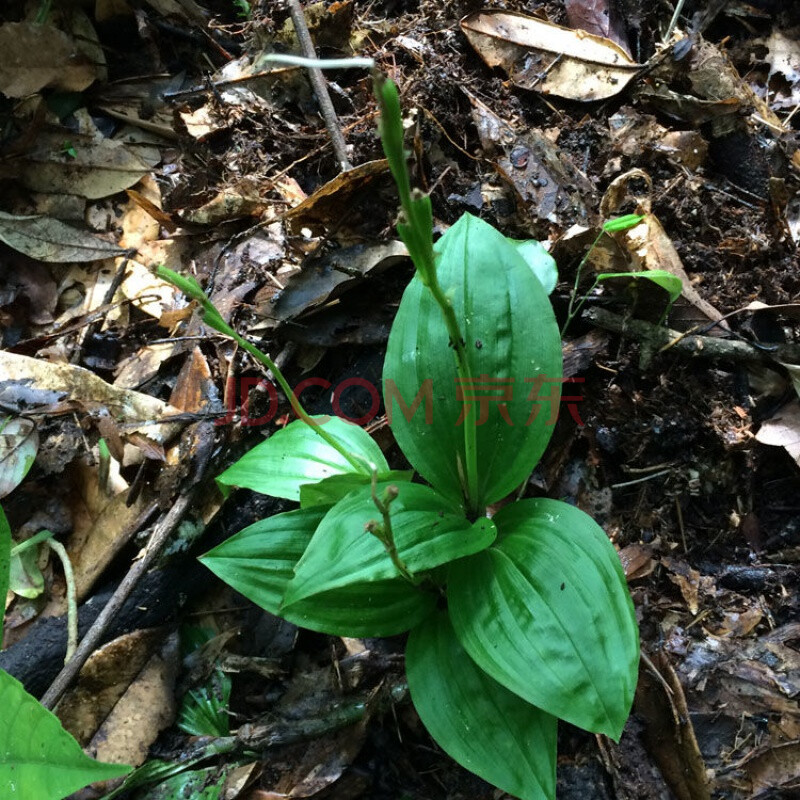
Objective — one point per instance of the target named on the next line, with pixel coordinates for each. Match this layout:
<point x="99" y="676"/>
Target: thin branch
<point x="319" y="85"/>
<point x="94" y="635"/>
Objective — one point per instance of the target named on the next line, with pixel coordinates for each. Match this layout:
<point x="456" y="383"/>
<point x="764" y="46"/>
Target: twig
<point x="319" y="85"/>
<point x="89" y="643"/>
<point x="713" y="347"/>
<point x="674" y="21"/>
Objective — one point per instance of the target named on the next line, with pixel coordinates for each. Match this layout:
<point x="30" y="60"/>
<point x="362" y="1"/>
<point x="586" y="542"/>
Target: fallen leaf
<point x="46" y="239"/>
<point x="783" y="430"/>
<point x="146" y="708"/>
<point x="93" y="168"/>
<point x="600" y="17"/>
<point x="549" y="58"/>
<point x="135" y="410"/>
<point x="325" y="204"/>
<point x="327" y="276"/>
<point x="648" y="246"/>
<point x="35" y="56"/>
<point x="103" y="679"/>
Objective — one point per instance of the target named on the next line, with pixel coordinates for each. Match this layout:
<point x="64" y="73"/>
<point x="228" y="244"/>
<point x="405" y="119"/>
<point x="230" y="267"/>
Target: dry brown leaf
<point x="600" y="17"/>
<point x="103" y="680"/>
<point x="326" y="203"/>
<point x="19" y="443"/>
<point x="128" y="407"/>
<point x="690" y="582"/>
<point x="46" y="239"/>
<point x="92" y="168"/>
<point x="548" y="58"/>
<point x="34" y="56"/>
<point x="146" y="708"/>
<point x="647" y="244"/>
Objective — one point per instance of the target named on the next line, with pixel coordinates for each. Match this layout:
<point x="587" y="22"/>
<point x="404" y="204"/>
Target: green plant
<point x="670" y="283"/>
<point x="514" y="620"/>
<point x="245" y="9"/>
<point x="39" y="760"/>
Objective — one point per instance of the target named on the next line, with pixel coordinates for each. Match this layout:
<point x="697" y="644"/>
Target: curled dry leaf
<point x="548" y="58"/>
<point x="783" y="430"/>
<point x="47" y="239"/>
<point x="326" y="203"/>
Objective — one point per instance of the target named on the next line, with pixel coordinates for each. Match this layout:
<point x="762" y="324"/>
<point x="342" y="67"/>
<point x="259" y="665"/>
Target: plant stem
<point x="572" y="309"/>
<point x="416" y="230"/>
<point x="212" y="318"/>
<point x="383" y="532"/>
<point x="72" y="601"/>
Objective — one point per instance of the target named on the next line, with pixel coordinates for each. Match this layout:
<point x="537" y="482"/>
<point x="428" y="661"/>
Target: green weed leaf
<point x="539" y="260"/>
<point x="330" y="491"/>
<point x="428" y="531"/>
<point x="39" y="760"/>
<point x="547" y="613"/>
<point x="296" y="455"/>
<point x="672" y="284"/>
<point x="622" y="223"/>
<point x="511" y="338"/>
<point x="478" y="722"/>
<point x="260" y="560"/>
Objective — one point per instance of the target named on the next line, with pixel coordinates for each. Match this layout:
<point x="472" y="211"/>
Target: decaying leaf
<point x="548" y="58"/>
<point x="34" y="56"/>
<point x="326" y="277"/>
<point x="149" y="701"/>
<point x="91" y="167"/>
<point x="600" y="17"/>
<point x="132" y="408"/>
<point x="326" y="204"/>
<point x="103" y="680"/>
<point x="669" y="735"/>
<point x="647" y="245"/>
<point x="47" y="239"/>
<point x="546" y="183"/>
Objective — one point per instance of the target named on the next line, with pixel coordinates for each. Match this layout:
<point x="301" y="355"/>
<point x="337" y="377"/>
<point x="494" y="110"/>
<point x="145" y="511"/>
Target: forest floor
<point x="158" y="133"/>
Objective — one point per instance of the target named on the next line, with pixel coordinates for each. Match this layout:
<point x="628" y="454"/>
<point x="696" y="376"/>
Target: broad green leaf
<point x="475" y="720"/>
<point x="376" y="608"/>
<point x="296" y="455"/>
<point x="331" y="490"/>
<point x="546" y="612"/>
<point x="622" y="223"/>
<point x="5" y="565"/>
<point x="511" y="340"/>
<point x="672" y="284"/>
<point x="259" y="562"/>
<point x="428" y="531"/>
<point x="38" y="758"/>
<point x="539" y="260"/>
